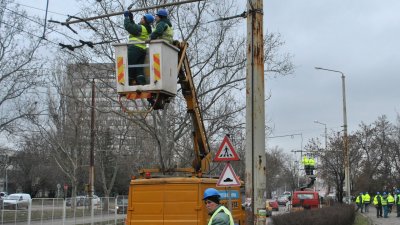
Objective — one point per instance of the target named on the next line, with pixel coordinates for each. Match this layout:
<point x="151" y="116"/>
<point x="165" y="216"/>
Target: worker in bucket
<point x="137" y="52"/>
<point x="220" y="215"/>
<point x="163" y="27"/>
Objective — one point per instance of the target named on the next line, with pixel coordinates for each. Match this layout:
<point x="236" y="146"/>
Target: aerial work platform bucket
<point x="160" y="72"/>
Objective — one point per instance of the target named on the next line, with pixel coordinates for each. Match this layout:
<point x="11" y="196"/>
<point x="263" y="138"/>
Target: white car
<point x="17" y="201"/>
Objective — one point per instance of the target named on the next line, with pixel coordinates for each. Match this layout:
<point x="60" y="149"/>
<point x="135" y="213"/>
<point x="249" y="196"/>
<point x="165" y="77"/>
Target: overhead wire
<point x="88" y="43"/>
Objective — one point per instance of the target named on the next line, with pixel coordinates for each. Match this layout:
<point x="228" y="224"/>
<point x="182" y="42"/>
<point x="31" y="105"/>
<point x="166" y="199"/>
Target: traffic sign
<point x="228" y="177"/>
<point x="226" y="152"/>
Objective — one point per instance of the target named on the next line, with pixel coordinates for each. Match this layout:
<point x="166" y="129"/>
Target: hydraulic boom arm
<point x="202" y="159"/>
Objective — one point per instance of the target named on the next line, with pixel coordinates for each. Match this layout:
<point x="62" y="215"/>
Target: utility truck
<point x="176" y="198"/>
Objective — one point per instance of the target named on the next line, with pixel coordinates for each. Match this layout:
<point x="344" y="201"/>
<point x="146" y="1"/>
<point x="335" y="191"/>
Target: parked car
<point x="283" y="199"/>
<point x="17" y="201"/>
<point x="83" y="200"/>
<point x="271" y="205"/>
<point x="307" y="199"/>
<point x="122" y="205"/>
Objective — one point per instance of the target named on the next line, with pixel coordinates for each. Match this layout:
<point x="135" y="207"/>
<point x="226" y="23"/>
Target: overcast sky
<point x="361" y="38"/>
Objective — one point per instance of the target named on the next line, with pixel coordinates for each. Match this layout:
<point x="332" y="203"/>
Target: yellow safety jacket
<point x="384" y="201"/>
<point x="144" y="35"/>
<point x="225" y="211"/>
<point x="390" y="199"/>
<point x="305" y="161"/>
<point x="311" y="162"/>
<point x="398" y="199"/>
<point x="366" y="198"/>
<point x="359" y="199"/>
<point x="168" y="35"/>
<point x="376" y="199"/>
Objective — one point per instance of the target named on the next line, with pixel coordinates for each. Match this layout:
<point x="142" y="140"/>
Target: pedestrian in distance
<point x="163" y="28"/>
<point x="137" y="52"/>
<point x="378" y="204"/>
<point x="359" y="202"/>
<point x="390" y="199"/>
<point x="311" y="164"/>
<point x="306" y="165"/>
<point x="385" y="205"/>
<point x="398" y="202"/>
<point x="367" y="201"/>
<point x="220" y="215"/>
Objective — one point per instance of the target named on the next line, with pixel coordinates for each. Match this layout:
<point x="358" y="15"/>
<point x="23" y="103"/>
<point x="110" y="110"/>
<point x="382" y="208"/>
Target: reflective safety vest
<point x="366" y="198"/>
<point x="376" y="201"/>
<point x="225" y="211"/>
<point x="305" y="161"/>
<point x="168" y="34"/>
<point x="390" y="199"/>
<point x="359" y="199"/>
<point x="384" y="201"/>
<point x="311" y="162"/>
<point x="144" y="35"/>
<point x="398" y="199"/>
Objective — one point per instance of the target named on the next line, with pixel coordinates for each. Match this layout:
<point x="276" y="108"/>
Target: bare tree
<point x="21" y="68"/>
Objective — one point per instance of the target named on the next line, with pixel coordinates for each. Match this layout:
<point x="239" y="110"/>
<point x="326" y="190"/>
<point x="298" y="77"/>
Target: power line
<point x="31" y="7"/>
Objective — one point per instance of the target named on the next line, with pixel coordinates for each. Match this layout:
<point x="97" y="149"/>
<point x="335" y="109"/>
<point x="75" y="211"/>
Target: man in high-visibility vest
<point x="390" y="202"/>
<point x="398" y="202"/>
<point x="220" y="215"/>
<point x="311" y="163"/>
<point x="163" y="27"/>
<point x="359" y="202"/>
<point x="137" y="52"/>
<point x="367" y="201"/>
<point x="306" y="165"/>
<point x="385" y="205"/>
<point x="378" y="204"/>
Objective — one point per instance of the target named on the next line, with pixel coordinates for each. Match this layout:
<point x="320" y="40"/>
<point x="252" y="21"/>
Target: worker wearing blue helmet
<point x="385" y="205"/>
<point x="137" y="52"/>
<point x="220" y="215"/>
<point x="378" y="204"/>
<point x="163" y="27"/>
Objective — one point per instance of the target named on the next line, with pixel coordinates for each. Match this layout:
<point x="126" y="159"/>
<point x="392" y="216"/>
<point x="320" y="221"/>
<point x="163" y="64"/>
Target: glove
<point x="127" y="14"/>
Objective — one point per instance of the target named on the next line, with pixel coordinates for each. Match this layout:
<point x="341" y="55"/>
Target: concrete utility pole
<point x="255" y="118"/>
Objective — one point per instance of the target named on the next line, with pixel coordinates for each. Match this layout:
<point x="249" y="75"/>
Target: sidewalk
<point x="392" y="220"/>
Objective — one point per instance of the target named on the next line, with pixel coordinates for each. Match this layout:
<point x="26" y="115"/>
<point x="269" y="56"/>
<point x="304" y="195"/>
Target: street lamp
<point x="326" y="133"/>
<point x="345" y="144"/>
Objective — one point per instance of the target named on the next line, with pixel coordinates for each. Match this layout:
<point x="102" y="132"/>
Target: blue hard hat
<point x="377" y="193"/>
<point x="162" y="12"/>
<point x="361" y="193"/>
<point x="149" y="18"/>
<point x="211" y="192"/>
<point x="384" y="193"/>
<point x="398" y="190"/>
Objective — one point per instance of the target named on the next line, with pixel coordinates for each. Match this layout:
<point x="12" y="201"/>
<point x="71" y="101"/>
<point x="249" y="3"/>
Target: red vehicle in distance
<point x="307" y="199"/>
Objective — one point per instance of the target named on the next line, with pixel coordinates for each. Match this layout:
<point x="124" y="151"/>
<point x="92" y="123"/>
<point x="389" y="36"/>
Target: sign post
<point x="228" y="176"/>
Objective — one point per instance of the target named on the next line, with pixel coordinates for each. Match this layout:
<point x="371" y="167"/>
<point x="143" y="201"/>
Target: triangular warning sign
<point x="226" y="152"/>
<point x="228" y="177"/>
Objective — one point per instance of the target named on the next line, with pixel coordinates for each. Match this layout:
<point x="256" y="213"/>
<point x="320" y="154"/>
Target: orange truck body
<point x="176" y="201"/>
<point x="305" y="199"/>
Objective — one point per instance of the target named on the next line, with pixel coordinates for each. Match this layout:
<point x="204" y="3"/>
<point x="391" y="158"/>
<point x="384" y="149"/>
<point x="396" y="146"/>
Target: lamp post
<point x="326" y="133"/>
<point x="345" y="144"/>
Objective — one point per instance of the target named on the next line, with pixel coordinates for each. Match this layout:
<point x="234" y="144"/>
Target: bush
<point x="336" y="215"/>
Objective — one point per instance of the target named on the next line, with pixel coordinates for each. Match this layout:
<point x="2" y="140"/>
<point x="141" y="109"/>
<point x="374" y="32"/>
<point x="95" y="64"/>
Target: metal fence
<point x="79" y="210"/>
